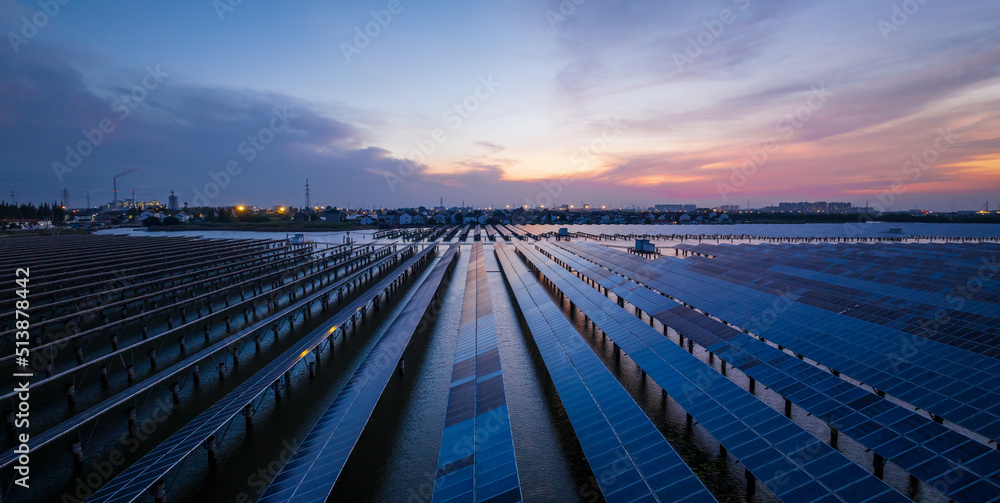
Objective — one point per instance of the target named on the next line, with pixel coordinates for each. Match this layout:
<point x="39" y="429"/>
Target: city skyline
<point x="713" y="104"/>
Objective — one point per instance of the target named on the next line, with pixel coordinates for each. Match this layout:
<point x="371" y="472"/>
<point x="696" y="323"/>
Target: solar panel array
<point x="955" y="384"/>
<point x="313" y="469"/>
<point x="52" y="434"/>
<point x="133" y="482"/>
<point x="476" y="461"/>
<point x="902" y="288"/>
<point x="895" y="346"/>
<point x="922" y="447"/>
<point x="792" y="463"/>
<point x="615" y="434"/>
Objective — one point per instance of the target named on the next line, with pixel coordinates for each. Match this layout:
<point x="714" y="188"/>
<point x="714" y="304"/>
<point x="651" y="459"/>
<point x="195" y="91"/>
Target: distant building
<point x="361" y="219"/>
<point x="332" y="215"/>
<point x="816" y="207"/>
<point x="838" y="207"/>
<point x="172" y="202"/>
<point x="676" y="207"/>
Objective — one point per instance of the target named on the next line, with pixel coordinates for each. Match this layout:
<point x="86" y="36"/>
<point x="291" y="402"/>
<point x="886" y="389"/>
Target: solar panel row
<point x="133" y="482"/>
<point x="54" y="433"/>
<point x="629" y="457"/>
<point x="933" y="267"/>
<point x="955" y="384"/>
<point x="476" y="460"/>
<point x="792" y="463"/>
<point x="824" y="279"/>
<point x="312" y="470"/>
<point x="926" y="449"/>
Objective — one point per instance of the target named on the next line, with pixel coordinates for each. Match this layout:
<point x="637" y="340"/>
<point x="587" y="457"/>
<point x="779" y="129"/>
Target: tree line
<point x="45" y="211"/>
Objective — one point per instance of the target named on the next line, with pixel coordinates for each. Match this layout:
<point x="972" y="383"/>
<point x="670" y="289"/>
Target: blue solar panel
<point x="766" y="442"/>
<point x="134" y="481"/>
<point x="476" y="461"/>
<point x="858" y="282"/>
<point x="615" y="434"/>
<point x="949" y="382"/>
<point x="313" y="469"/>
<point x="820" y="393"/>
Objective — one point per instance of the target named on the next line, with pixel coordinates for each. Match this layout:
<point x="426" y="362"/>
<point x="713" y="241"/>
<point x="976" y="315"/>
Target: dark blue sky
<point x="715" y="102"/>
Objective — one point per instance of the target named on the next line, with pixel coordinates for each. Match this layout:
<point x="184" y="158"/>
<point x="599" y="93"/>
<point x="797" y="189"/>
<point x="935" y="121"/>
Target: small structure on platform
<point x="644" y="247"/>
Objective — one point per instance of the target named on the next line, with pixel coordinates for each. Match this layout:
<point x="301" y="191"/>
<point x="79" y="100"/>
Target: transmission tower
<point x="65" y="198"/>
<point x="308" y="204"/>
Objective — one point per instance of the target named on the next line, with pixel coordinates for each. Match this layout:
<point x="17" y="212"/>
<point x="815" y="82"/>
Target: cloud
<point x="181" y="134"/>
<point x="492" y="148"/>
<point x="606" y="60"/>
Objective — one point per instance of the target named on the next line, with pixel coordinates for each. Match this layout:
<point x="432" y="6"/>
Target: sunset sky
<point x="506" y="102"/>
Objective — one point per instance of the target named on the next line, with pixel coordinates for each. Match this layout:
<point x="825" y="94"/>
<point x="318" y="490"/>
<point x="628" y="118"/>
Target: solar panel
<point x="889" y="292"/>
<point x="476" y="460"/>
<point x="955" y="384"/>
<point x="767" y="443"/>
<point x="313" y="469"/>
<point x="615" y="434"/>
<point x="133" y="482"/>
<point x="846" y="407"/>
<point x="52" y="434"/>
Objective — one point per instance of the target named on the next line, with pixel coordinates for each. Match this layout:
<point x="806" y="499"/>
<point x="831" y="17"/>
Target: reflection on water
<point x="396" y="459"/>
